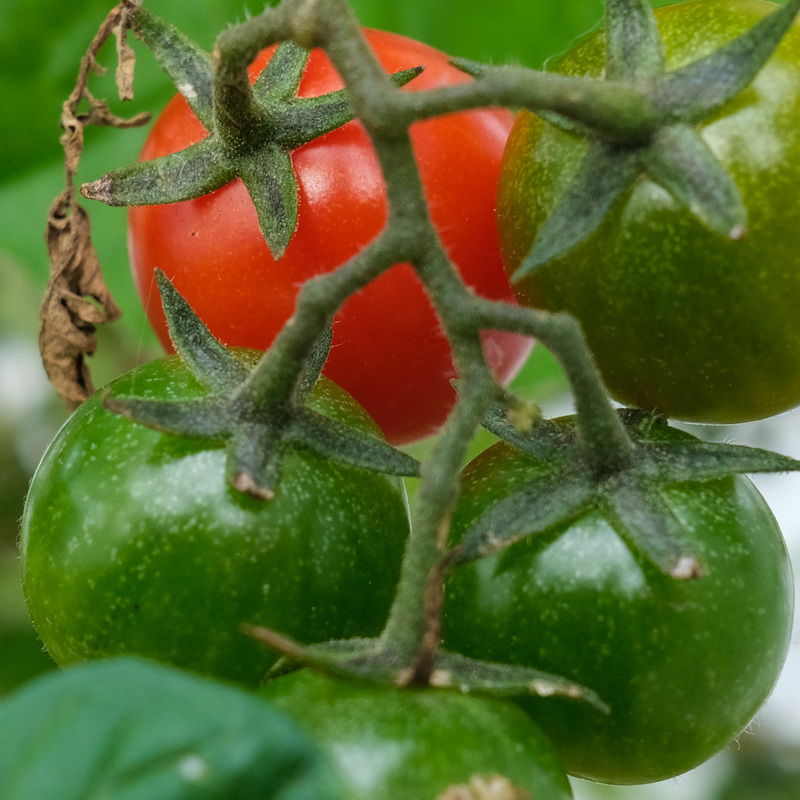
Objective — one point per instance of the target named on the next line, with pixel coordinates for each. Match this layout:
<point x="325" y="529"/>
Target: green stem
<point x="617" y="112"/>
<point x="438" y="492"/>
<point x="409" y="236"/>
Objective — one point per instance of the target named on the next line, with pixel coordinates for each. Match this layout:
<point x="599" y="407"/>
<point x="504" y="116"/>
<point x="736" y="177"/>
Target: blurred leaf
<point x="130" y="729"/>
<point x="22" y="657"/>
<point x="515" y="31"/>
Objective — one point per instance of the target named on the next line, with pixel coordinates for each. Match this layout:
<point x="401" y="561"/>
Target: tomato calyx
<point x="252" y="131"/>
<point x="377" y="661"/>
<point x="630" y="496"/>
<point x="256" y="424"/>
<point x="669" y="151"/>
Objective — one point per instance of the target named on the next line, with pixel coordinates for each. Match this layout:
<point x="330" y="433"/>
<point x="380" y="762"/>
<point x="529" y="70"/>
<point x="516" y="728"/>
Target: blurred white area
<point x="24" y="392"/>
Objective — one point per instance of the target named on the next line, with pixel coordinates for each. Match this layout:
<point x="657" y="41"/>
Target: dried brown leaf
<point x="126" y="58"/>
<point x="76" y="301"/>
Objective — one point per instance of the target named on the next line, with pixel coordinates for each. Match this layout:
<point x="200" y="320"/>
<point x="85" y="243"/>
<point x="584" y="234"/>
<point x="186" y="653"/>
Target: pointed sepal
<point x="633" y="45"/>
<point x="173" y="178"/>
<point x="269" y="177"/>
<point x="370" y="660"/>
<point x="535" y="508"/>
<point x="694" y="92"/>
<point x="331" y="439"/>
<point x="186" y="63"/>
<point x="604" y="175"/>
<point x="680" y="161"/>
<point x="216" y="367"/>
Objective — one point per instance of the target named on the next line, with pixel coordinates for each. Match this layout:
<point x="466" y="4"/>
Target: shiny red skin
<point x="388" y="350"/>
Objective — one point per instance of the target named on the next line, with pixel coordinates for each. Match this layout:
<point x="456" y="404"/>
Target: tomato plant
<point x="133" y="541"/>
<point x="389" y="351"/>
<point x="679" y="319"/>
<point x="683" y="664"/>
<point x="394" y="744"/>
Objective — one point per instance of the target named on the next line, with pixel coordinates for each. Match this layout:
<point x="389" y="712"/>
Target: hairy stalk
<point x="409" y="236"/>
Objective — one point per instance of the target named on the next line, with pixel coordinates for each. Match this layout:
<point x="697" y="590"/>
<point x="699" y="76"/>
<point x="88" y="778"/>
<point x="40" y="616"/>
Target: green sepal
<point x="186" y="63"/>
<point x="308" y="118"/>
<point x="371" y="660"/>
<point x="633" y="45"/>
<point x="535" y="508"/>
<point x="251" y="132"/>
<point x="213" y="364"/>
<point x="209" y="418"/>
<point x="697" y="460"/>
<point x="694" y="92"/>
<point x="673" y="155"/>
<point x="604" y="175"/>
<point x="475" y="69"/>
<point x="642" y="518"/>
<point x="315" y="362"/>
<point x="497" y="422"/>
<point x="255" y="456"/>
<point x="173" y="178"/>
<point x="269" y="177"/>
<point x="283" y="73"/>
<point x="631" y="497"/>
<point x="679" y="160"/>
<point x="256" y="424"/>
<point x="331" y="439"/>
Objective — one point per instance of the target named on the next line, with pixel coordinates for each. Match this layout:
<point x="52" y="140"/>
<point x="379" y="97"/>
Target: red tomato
<point x="388" y="348"/>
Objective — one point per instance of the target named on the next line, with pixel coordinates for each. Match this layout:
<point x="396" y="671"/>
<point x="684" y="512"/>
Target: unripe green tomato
<point x="680" y="320"/>
<point x="133" y="541"/>
<point x="422" y="744"/>
<point x="684" y="665"/>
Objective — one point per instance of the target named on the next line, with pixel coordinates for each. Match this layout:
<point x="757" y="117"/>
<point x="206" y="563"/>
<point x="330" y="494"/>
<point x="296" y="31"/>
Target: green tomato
<point x="683" y="664"/>
<point x="133" y="541"/>
<point x="422" y="744"/>
<point x="679" y="320"/>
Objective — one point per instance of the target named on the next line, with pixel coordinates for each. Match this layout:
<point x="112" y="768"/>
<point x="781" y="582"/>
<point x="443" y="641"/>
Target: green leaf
<point x="127" y="729"/>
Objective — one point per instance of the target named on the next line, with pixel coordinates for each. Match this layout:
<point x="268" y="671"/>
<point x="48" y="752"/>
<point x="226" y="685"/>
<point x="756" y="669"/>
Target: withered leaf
<point x="76" y="301"/>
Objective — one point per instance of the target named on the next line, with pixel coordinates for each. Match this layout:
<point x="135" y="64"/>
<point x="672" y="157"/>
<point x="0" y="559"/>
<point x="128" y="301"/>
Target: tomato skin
<point x="389" y="351"/>
<point x="684" y="665"/>
<point x="133" y="543"/>
<point x="679" y="319"/>
<point x="397" y="744"/>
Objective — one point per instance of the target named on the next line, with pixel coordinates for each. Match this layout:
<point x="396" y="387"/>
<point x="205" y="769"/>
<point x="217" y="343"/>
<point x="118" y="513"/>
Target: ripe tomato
<point x="398" y="744"/>
<point x="388" y="349"/>
<point x="134" y="543"/>
<point x="679" y="319"/>
<point x="683" y="664"/>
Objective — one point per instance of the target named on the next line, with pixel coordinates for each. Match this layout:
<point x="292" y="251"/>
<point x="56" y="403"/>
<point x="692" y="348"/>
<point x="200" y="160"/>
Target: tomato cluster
<point x="134" y="540"/>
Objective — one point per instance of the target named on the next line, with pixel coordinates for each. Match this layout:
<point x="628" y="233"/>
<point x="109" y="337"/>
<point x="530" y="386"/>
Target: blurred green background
<point x="41" y="43"/>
